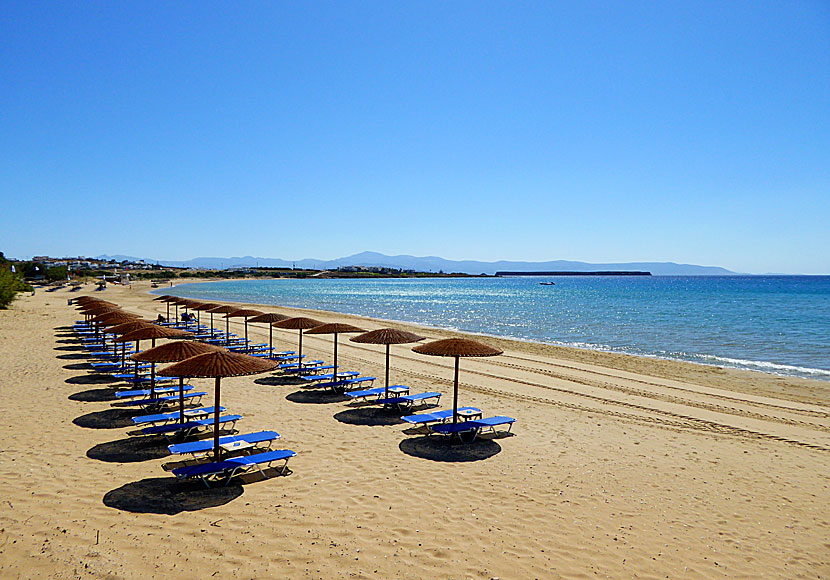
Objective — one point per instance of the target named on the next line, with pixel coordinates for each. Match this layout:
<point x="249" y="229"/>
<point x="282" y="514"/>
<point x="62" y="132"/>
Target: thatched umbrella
<point x="85" y="299"/>
<point x="269" y="318"/>
<point x="216" y="365"/>
<point x="334" y="328"/>
<point x="223" y="310"/>
<point x="152" y="332"/>
<point x="205" y="307"/>
<point x="101" y="317"/>
<point x="298" y="323"/>
<point x="387" y="336"/>
<point x="91" y="310"/>
<point x="123" y="326"/>
<point x="245" y="313"/>
<point x="456" y="347"/>
<point x="175" y="352"/>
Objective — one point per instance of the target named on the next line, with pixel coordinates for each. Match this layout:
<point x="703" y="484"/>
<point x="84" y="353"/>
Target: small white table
<point x="236" y="445"/>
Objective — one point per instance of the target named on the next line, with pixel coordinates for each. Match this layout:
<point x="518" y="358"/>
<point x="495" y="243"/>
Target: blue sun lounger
<point x="329" y="376"/>
<point x="475" y="427"/>
<point x="234" y="466"/>
<point x="146" y="392"/>
<point x="317" y="369"/>
<point x="174" y="415"/>
<point x="406" y="402"/>
<point x="293" y="367"/>
<point x="436" y="416"/>
<point x="341" y="386"/>
<point x="397" y="390"/>
<point x="190" y="427"/>
<point x="259" y="440"/>
<point x="165" y="400"/>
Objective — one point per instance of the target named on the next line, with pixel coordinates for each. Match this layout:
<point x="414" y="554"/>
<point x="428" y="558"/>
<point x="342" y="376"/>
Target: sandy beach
<point x="617" y="467"/>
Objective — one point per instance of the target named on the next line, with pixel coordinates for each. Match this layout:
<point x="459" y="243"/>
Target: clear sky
<point x="686" y="131"/>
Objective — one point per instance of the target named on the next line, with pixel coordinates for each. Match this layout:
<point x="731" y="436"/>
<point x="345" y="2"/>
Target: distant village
<point x="68" y="269"/>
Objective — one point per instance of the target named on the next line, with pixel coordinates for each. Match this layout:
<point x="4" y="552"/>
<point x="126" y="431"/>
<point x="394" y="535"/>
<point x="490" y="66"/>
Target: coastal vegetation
<point x="10" y="283"/>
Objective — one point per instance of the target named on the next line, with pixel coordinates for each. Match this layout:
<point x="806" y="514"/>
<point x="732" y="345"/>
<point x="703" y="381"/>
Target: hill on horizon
<point x="434" y="264"/>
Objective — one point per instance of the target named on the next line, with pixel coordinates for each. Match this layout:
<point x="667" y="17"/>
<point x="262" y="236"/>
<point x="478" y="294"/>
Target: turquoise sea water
<point x="777" y="324"/>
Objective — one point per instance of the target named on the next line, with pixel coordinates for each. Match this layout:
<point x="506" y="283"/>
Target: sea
<point x="774" y="324"/>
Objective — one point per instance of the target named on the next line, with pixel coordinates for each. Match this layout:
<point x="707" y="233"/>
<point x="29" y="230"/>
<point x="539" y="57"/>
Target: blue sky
<point x="692" y="132"/>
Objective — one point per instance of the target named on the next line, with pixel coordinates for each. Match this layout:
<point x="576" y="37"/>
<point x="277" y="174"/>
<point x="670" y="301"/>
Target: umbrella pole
<point x="168" y="312"/>
<point x="227" y="331"/>
<point x="181" y="400"/>
<point x="270" y="341"/>
<point x="152" y="380"/>
<point x="300" y="354"/>
<point x="246" y="334"/>
<point x="386" y="387"/>
<point x="123" y="355"/>
<point x="455" y="395"/>
<point x="177" y="314"/>
<point x="334" y="377"/>
<point x="135" y="370"/>
<point x="216" y="450"/>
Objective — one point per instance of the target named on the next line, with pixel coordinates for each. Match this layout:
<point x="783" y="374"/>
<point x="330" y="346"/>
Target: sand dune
<point x="618" y="467"/>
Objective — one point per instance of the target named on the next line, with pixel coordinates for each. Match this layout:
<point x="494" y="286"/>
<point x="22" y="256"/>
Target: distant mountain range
<point x="435" y="264"/>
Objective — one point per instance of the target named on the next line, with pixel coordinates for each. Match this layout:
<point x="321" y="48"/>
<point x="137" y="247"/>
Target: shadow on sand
<point x="369" y="417"/>
<point x="437" y="448"/>
<point x="109" y="419"/>
<point x="279" y="381"/>
<point x="81" y="366"/>
<point x="130" y="450"/>
<point x="94" y="395"/>
<point x="75" y="355"/>
<point x="315" y="397"/>
<point x="92" y="380"/>
<point x="169" y="496"/>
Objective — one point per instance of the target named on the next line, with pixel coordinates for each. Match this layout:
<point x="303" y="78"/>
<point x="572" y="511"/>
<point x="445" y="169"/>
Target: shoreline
<point x="554" y="345"/>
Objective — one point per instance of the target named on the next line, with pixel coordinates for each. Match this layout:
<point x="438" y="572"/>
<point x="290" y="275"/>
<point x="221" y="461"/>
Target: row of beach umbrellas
<point x="200" y="360"/>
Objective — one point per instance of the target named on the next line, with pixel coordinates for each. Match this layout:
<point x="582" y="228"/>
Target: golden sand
<point x="618" y="467"/>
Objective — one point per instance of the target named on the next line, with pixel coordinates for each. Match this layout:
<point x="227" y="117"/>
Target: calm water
<point x="778" y="324"/>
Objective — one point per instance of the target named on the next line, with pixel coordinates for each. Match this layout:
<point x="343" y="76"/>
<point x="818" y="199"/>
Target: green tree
<point x="10" y="285"/>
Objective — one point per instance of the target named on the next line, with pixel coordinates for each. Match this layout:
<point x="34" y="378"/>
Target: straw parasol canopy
<point x="151" y="332"/>
<point x="298" y="323"/>
<point x="387" y="336"/>
<point x="126" y="325"/>
<point x="175" y="352"/>
<point x="201" y="307"/>
<point x="84" y="300"/>
<point x="93" y="309"/>
<point x="115" y="318"/>
<point x="456" y="347"/>
<point x="245" y="313"/>
<point x="334" y="328"/>
<point x="216" y="365"/>
<point x="223" y="309"/>
<point x="269" y="318"/>
<point x="154" y="331"/>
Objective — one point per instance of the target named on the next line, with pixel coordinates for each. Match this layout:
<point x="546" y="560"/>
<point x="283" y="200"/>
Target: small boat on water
<point x="547" y="283"/>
